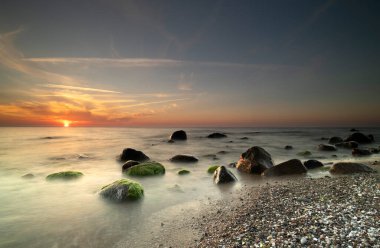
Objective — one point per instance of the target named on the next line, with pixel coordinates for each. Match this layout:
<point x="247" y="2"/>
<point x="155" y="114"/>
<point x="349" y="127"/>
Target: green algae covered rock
<point x="150" y="168"/>
<point x="65" y="175"/>
<point x="212" y="169"/>
<point x="183" y="172"/>
<point x="123" y="190"/>
<point x="304" y="153"/>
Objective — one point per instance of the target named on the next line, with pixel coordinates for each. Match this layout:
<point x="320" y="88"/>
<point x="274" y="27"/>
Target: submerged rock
<point x="178" y="135"/>
<point x="350" y="168"/>
<point x="360" y="138"/>
<point x="361" y="152"/>
<point x="129" y="164"/>
<point x="335" y="139"/>
<point x="254" y="160"/>
<point x="354" y="130"/>
<point x="122" y="190"/>
<point x="312" y="164"/>
<point x="183" y="159"/>
<point x="290" y="167"/>
<point x="374" y="150"/>
<point x="244" y="138"/>
<point x="348" y="144"/>
<point x="325" y="147"/>
<point x="216" y="136"/>
<point x="212" y="169"/>
<point x="183" y="172"/>
<point x="223" y="175"/>
<point x="288" y="147"/>
<point x="28" y="176"/>
<point x="65" y="175"/>
<point x="150" y="168"/>
<point x="132" y="154"/>
<point x="304" y="153"/>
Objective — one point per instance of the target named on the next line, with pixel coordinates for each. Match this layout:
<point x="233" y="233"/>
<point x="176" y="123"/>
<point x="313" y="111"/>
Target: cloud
<point x="58" y="86"/>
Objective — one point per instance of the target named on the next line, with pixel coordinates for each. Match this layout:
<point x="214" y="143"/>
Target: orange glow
<point x="66" y="123"/>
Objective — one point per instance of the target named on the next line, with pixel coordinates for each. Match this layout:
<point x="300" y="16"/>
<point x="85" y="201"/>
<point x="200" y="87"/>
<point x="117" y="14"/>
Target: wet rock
<point x="216" y="136"/>
<point x="223" y="175"/>
<point x="254" y="160"/>
<point x="290" y="167"/>
<point x="361" y="152"/>
<point x="288" y="147"/>
<point x="150" y="168"/>
<point x="354" y="130"/>
<point x="374" y="150"/>
<point x="304" y="153"/>
<point x="348" y="145"/>
<point x="360" y="138"/>
<point x="350" y="168"/>
<point x="184" y="159"/>
<point x="64" y="175"/>
<point x="232" y="165"/>
<point x="335" y="139"/>
<point x="132" y="154"/>
<point x="129" y="164"/>
<point x="122" y="190"/>
<point x="222" y="152"/>
<point x="244" y="138"/>
<point x="325" y="147"/>
<point x="312" y="164"/>
<point x="211" y="156"/>
<point x="183" y="172"/>
<point x="212" y="169"/>
<point x="179" y="135"/>
<point x="28" y="176"/>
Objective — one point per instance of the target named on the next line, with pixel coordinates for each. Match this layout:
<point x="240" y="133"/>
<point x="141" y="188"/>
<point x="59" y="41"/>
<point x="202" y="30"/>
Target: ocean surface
<point x="39" y="213"/>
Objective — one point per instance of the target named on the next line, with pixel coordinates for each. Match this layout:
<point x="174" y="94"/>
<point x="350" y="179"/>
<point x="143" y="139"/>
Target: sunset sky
<point x="189" y="63"/>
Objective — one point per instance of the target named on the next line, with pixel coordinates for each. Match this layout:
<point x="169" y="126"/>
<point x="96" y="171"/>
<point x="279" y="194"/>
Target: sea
<point x="37" y="213"/>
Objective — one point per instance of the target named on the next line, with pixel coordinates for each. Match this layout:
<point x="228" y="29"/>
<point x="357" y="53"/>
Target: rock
<point x="150" y="168"/>
<point x="354" y="130"/>
<point x="183" y="159"/>
<point x="222" y="152"/>
<point x="28" y="176"/>
<point x="290" y="167"/>
<point x="360" y="138"/>
<point x="178" y="135"/>
<point x="129" y="164"/>
<point x="183" y="172"/>
<point x="288" y="147"/>
<point x="324" y="138"/>
<point x="335" y="139"/>
<point x="211" y="156"/>
<point x="374" y="150"/>
<point x="65" y="175"/>
<point x="216" y="136"/>
<point x="254" y="160"/>
<point x="122" y="190"/>
<point x="132" y="154"/>
<point x="304" y="153"/>
<point x="303" y="240"/>
<point x="244" y="138"/>
<point x="361" y="152"/>
<point x="312" y="164"/>
<point x="349" y="144"/>
<point x="170" y="141"/>
<point x="212" y="169"/>
<point x="325" y="147"/>
<point x="349" y="168"/>
<point x="232" y="165"/>
<point x="223" y="175"/>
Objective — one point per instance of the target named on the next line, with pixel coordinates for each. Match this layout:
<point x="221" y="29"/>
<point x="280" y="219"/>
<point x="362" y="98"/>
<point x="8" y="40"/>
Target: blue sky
<point x="189" y="63"/>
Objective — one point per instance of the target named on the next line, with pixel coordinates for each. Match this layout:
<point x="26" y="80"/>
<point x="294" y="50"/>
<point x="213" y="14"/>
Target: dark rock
<point x="28" y="176"/>
<point x="288" y="147"/>
<point x="312" y="164"/>
<point x="349" y="168"/>
<point x="122" y="190"/>
<point x="354" y="130"/>
<point x="132" y="154"/>
<point x="222" y="152"/>
<point x="360" y="138"/>
<point x="324" y="138"/>
<point x="170" y="141"/>
<point x="254" y="160"/>
<point x="183" y="159"/>
<point x="244" y="138"/>
<point x="361" y="152"/>
<point x="374" y="150"/>
<point x="129" y="164"/>
<point x="349" y="144"/>
<point x="216" y="136"/>
<point x="232" y="165"/>
<point x="223" y="175"/>
<point x="325" y="147"/>
<point x="178" y="135"/>
<point x="371" y="137"/>
<point x="290" y="167"/>
<point x="335" y="139"/>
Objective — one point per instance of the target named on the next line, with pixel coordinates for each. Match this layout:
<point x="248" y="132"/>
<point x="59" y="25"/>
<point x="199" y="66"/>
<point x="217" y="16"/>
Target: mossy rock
<point x="212" y="169"/>
<point x="304" y="153"/>
<point x="65" y="175"/>
<point x="183" y="172"/>
<point x="123" y="190"/>
<point x="150" y="168"/>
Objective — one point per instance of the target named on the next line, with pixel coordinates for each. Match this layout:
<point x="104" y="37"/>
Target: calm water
<point x="37" y="213"/>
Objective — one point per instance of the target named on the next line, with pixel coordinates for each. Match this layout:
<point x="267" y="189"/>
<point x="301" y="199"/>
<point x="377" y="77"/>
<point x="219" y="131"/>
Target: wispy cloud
<point x="58" y="86"/>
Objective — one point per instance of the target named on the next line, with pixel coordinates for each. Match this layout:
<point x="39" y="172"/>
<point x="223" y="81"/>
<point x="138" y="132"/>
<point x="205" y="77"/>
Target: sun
<point x="66" y="123"/>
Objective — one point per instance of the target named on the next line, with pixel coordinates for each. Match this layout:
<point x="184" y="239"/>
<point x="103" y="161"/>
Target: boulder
<point x="129" y="164"/>
<point x="290" y="167"/>
<point x="349" y="168"/>
<point x="65" y="175"/>
<point x="178" y="135"/>
<point x="325" y="147"/>
<point x="122" y="190"/>
<point x="223" y="175"/>
<point x="361" y="152"/>
<point x="212" y="169"/>
<point x="216" y="136"/>
<point x="360" y="138"/>
<point x="150" y="168"/>
<point x="132" y="154"/>
<point x="183" y="159"/>
<point x="288" y="147"/>
<point x="335" y="139"/>
<point x="254" y="160"/>
<point x="312" y="164"/>
<point x="348" y="144"/>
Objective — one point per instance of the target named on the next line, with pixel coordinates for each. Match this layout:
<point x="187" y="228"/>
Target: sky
<point x="223" y="63"/>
